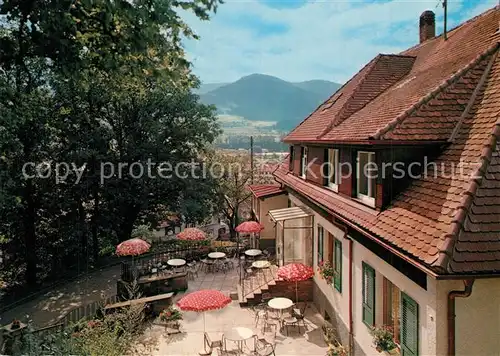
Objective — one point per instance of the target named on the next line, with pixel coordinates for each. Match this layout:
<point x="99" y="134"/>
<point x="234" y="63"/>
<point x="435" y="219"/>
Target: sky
<point x="299" y="40"/>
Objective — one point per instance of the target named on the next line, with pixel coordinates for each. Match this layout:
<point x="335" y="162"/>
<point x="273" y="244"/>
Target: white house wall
<point x="426" y="299"/>
<point x="271" y="203"/>
<point x="477" y="320"/>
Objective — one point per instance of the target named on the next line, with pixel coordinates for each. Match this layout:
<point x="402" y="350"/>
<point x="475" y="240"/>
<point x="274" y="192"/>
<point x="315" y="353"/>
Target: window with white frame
<point x="331" y="170"/>
<point x="303" y="161"/>
<point x="365" y="177"/>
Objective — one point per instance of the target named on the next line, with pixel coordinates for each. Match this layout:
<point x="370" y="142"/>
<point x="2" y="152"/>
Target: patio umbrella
<point x="191" y="233"/>
<point x="295" y="272"/>
<point x="249" y="227"/>
<point x="132" y="247"/>
<point x="203" y="300"/>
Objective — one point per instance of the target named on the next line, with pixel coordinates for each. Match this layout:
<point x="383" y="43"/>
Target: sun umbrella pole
<point x="296" y="292"/>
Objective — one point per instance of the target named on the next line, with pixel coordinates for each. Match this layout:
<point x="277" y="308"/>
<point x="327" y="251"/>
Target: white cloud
<point x="328" y="40"/>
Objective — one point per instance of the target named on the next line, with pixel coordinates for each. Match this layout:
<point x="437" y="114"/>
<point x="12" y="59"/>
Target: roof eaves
<point x="424" y="100"/>
<point x="446" y="251"/>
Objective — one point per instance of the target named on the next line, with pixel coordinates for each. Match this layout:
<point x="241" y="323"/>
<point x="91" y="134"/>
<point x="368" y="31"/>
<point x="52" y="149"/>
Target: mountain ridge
<point x="260" y="97"/>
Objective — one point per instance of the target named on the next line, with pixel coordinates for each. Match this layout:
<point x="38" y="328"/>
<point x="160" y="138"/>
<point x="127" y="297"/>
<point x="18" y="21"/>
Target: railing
<point x="251" y="282"/>
<point x="85" y="312"/>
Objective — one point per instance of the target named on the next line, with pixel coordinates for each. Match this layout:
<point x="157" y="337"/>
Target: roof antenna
<point x="445" y="7"/>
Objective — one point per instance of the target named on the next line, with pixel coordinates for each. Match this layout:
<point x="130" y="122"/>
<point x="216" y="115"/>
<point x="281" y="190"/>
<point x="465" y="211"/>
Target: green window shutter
<point x="368" y="295"/>
<point x="320" y="243"/>
<point x="337" y="281"/>
<point x="409" y="326"/>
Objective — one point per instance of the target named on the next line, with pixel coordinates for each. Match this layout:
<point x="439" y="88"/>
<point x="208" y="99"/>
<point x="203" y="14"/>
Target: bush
<point x="111" y="336"/>
<point x="143" y="232"/>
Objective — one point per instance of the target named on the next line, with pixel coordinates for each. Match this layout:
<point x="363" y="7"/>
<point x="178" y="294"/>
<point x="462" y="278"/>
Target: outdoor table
<point x="253" y="252"/>
<point x="261" y="264"/>
<point x="176" y="262"/>
<point x="216" y="255"/>
<point x="280" y="304"/>
<point x="239" y="335"/>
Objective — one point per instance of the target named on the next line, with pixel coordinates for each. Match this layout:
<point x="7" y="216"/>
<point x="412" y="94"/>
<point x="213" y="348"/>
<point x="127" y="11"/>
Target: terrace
<point x="80" y="300"/>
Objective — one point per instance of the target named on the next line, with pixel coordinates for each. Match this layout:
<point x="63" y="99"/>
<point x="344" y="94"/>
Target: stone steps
<point x="258" y="284"/>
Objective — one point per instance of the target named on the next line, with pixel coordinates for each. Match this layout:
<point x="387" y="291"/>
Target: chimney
<point x="427" y="26"/>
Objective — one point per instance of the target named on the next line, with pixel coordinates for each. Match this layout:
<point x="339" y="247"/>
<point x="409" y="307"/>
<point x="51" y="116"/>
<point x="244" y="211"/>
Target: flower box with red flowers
<point x="326" y="271"/>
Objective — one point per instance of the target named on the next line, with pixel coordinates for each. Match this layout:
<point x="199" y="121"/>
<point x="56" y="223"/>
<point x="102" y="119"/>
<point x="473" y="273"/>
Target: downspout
<point x="351" y="322"/>
<point x="351" y="263"/>
<point x="452" y="295"/>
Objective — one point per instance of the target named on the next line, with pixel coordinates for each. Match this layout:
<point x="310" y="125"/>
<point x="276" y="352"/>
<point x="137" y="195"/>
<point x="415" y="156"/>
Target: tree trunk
<point x="30" y="234"/>
<point x="128" y="222"/>
<point x="83" y="256"/>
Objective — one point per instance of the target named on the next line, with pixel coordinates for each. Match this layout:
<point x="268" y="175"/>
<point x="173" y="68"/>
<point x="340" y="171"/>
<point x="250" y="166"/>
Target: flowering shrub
<point x="326" y="271"/>
<point x="94" y="323"/>
<point x="337" y="350"/>
<point x="170" y="314"/>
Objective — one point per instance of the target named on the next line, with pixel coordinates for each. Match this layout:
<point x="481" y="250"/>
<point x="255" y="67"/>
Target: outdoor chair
<point x="264" y="347"/>
<point x="192" y="270"/>
<point x="268" y="333"/>
<point x="271" y="323"/>
<point x="260" y="313"/>
<point x="206" y="264"/>
<point x="228" y="263"/>
<point x="266" y="297"/>
<point x="290" y="321"/>
<point x="209" y="345"/>
<point x="299" y="314"/>
<point x="248" y="272"/>
<point x="300" y="311"/>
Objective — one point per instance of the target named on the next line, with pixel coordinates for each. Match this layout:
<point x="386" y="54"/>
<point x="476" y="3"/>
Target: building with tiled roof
<point x="401" y="171"/>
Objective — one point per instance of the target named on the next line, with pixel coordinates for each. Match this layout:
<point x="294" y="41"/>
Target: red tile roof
<point x="448" y="222"/>
<point x="393" y="88"/>
<point x="265" y="190"/>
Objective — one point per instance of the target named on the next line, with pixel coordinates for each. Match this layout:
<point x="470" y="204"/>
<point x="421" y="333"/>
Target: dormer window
<point x="331" y="178"/>
<point x="303" y="162"/>
<point x="365" y="177"/>
<point x="292" y="157"/>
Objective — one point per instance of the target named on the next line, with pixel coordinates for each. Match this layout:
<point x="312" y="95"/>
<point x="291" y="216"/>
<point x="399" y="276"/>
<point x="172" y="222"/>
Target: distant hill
<point x="259" y="97"/>
<point x="321" y="87"/>
<point x="205" y="88"/>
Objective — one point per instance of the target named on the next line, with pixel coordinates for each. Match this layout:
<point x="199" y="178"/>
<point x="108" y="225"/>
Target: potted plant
<point x="16" y="324"/>
<point x="383" y="339"/>
<point x="329" y="334"/>
<point x="337" y="349"/>
<point x="326" y="271"/>
<point x="171" y="317"/>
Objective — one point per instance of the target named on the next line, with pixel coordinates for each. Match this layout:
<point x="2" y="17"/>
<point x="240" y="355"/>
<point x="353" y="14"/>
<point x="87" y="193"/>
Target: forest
<point x="86" y="85"/>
